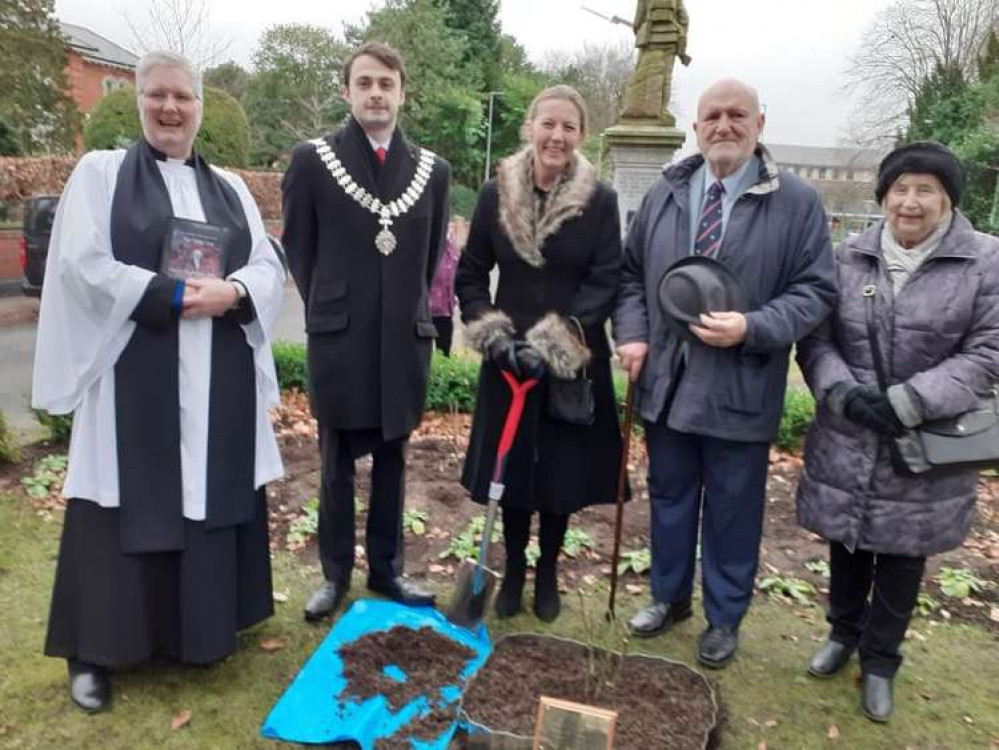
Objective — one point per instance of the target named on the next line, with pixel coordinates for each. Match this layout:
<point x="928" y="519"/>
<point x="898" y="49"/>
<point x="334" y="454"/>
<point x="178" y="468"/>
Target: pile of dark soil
<point x="429" y="662"/>
<point x="661" y="705"/>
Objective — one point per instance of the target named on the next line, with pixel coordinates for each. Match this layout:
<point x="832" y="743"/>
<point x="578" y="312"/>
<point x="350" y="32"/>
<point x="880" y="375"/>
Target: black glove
<point x="872" y="409"/>
<point x="502" y="352"/>
<point x="531" y="364"/>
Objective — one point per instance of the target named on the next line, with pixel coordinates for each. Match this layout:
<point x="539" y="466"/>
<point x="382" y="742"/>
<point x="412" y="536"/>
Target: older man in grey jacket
<point x="712" y="406"/>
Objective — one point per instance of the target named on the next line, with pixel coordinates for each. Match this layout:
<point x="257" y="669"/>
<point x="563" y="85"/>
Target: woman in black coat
<point x="554" y="233"/>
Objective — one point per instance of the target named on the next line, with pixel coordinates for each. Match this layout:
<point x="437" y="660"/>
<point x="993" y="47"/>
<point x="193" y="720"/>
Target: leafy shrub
<point x="10" y="452"/>
<point x="799" y="410"/>
<point x="224" y="137"/>
<point x="453" y="383"/>
<point x="462" y="200"/>
<point x="48" y="476"/>
<point x="291" y="366"/>
<point x="60" y="426"/>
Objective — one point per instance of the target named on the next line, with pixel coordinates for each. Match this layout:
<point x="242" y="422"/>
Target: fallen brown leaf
<point x="181" y="720"/>
<point x="272" y="644"/>
<point x="762" y="746"/>
<point x="833" y="732"/>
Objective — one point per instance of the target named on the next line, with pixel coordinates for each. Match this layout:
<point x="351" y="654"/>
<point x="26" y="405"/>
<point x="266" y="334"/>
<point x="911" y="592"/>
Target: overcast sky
<point x="794" y="51"/>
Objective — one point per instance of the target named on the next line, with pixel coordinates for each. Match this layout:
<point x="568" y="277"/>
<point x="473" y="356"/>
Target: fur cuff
<point x="562" y="351"/>
<point x="483" y="331"/>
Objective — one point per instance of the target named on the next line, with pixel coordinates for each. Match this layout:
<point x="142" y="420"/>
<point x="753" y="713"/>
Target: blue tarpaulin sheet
<point x="313" y="709"/>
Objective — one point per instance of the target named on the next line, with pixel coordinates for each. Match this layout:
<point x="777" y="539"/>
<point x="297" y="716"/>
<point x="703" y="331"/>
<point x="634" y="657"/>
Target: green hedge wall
<point x="454" y="380"/>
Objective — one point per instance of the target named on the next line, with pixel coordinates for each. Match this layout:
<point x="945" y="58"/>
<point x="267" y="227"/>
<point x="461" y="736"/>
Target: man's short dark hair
<point x="383" y="54"/>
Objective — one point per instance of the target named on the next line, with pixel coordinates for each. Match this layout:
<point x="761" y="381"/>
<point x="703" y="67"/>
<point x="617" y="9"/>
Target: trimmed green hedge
<point x="454" y="380"/>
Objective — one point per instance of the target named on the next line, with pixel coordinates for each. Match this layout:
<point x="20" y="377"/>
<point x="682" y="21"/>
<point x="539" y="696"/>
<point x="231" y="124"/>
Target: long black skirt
<point x="113" y="609"/>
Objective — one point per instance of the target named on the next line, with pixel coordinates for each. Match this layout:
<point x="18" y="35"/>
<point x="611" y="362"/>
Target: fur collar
<point x="515" y="182"/>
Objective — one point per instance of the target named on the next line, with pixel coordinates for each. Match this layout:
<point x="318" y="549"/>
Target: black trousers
<point x="383" y="535"/>
<point x="445" y="332"/>
<point x="871" y="598"/>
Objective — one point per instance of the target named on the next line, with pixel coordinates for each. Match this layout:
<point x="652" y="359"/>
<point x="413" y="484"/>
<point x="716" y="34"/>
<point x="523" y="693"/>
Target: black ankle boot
<point x="508" y="600"/>
<point x="547" y="603"/>
<point x="89" y="686"/>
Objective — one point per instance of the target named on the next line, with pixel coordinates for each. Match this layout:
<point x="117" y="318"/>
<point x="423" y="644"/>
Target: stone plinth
<point x="639" y="153"/>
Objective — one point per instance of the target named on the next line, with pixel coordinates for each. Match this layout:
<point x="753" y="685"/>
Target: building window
<point x="110" y="83"/>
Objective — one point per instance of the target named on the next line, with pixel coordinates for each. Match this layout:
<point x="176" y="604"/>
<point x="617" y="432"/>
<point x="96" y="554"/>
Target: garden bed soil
<point x="661" y="705"/>
<point x="428" y="660"/>
<point x="433" y="469"/>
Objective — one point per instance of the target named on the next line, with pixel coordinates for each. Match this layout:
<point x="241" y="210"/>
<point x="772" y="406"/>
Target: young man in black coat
<point x="365" y="214"/>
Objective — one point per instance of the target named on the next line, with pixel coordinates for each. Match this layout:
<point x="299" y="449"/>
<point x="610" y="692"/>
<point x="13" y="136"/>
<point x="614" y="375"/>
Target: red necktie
<point x="380" y="154"/>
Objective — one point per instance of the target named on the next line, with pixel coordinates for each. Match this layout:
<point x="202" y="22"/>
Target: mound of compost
<point x="661" y="705"/>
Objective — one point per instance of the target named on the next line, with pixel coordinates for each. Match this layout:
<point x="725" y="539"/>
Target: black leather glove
<point x="502" y="352"/>
<point x="872" y="409"/>
<point x="532" y="365"/>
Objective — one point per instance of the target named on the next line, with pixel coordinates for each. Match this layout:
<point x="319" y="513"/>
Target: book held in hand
<point x="194" y="250"/>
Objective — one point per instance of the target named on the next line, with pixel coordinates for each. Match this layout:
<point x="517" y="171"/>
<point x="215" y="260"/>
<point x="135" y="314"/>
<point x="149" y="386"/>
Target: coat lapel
<point x="398" y="170"/>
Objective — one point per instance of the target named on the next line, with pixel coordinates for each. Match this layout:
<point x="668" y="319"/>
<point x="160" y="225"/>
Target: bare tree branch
<point x="901" y="48"/>
<point x="182" y="26"/>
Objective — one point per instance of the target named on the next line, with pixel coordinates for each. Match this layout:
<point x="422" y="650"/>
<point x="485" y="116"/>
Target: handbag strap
<point x="582" y="336"/>
<point x="870" y="294"/>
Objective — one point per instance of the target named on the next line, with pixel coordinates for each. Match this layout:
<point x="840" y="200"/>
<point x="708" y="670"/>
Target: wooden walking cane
<point x="622" y="478"/>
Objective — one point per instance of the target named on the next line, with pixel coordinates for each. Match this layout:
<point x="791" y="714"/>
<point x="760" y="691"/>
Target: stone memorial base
<point x="639" y="152"/>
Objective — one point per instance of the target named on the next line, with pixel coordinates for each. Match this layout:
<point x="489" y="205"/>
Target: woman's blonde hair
<point x="561" y="92"/>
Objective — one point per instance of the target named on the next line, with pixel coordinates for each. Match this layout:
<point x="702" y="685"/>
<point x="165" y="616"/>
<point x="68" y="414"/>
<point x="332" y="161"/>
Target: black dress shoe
<point x="325" y="600"/>
<point x="829" y="659"/>
<point x="89" y="686"/>
<point x="718" y="646"/>
<point x="658" y="617"/>
<point x="878" y="700"/>
<point x="402" y="591"/>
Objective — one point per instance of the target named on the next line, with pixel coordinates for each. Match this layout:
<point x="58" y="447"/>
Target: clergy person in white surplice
<point x="165" y="364"/>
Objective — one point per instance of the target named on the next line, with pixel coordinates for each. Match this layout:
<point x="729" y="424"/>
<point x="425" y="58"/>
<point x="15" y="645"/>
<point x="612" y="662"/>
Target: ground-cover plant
<point x="466" y="543"/>
<point x="926" y="605"/>
<point x="788" y="588"/>
<point x="959" y="583"/>
<point x="637" y="561"/>
<point x="577" y="540"/>
<point x="47" y="476"/>
<point x="819" y="567"/>
<point x="305" y="526"/>
<point x="415" y="521"/>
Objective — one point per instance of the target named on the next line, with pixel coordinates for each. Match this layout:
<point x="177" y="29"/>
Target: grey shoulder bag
<point x="967" y="441"/>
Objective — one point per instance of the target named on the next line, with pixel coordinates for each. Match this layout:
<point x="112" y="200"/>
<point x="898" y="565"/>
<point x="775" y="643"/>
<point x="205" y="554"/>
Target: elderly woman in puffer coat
<point x="932" y="284"/>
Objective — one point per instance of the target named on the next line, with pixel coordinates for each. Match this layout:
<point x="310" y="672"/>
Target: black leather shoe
<point x="547" y="602"/>
<point x="717" y="646"/>
<point x="89" y="686"/>
<point x="658" y="617"/>
<point x="402" y="591"/>
<point x="878" y="700"/>
<point x="509" y="600"/>
<point x="829" y="659"/>
<point x="325" y="600"/>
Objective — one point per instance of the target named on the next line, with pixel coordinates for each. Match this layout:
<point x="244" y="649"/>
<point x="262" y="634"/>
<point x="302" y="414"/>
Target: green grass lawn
<point x="946" y="694"/>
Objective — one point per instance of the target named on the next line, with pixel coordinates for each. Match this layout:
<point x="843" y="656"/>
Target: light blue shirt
<point x="735" y="185"/>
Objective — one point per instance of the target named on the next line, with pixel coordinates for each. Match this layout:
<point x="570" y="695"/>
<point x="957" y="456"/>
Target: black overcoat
<point x="366" y="315"/>
<point x="553" y="466"/>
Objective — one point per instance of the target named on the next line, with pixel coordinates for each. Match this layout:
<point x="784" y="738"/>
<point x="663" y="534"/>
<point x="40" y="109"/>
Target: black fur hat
<point x="922" y="157"/>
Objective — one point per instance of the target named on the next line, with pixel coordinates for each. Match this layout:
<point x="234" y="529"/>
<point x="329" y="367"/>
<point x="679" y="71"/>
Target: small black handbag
<point x="969" y="440"/>
<point x="571" y="400"/>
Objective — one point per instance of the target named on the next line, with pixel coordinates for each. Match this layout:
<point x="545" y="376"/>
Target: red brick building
<point x="95" y="67"/>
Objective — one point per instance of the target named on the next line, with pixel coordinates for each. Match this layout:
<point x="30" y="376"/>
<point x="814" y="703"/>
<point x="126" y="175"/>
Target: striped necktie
<point x="709" y="231"/>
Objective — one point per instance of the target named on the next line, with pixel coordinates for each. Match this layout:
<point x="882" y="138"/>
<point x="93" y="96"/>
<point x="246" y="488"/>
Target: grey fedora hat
<point x="695" y="285"/>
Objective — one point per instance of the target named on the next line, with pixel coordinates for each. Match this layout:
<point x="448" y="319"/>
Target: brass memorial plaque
<point x="564" y="725"/>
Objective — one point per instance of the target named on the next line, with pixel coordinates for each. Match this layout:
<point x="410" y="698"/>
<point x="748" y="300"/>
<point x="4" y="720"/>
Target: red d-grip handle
<point x="518" y="392"/>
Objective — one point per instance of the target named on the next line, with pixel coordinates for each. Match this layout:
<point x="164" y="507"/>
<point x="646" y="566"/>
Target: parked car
<point x="39" y="212"/>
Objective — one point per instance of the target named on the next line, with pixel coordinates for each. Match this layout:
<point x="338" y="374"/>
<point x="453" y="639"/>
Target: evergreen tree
<point x="229" y="77"/>
<point x="477" y="21"/>
<point x="988" y="63"/>
<point x="33" y="87"/>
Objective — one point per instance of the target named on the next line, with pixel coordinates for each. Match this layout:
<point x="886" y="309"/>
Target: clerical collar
<point x="161" y="156"/>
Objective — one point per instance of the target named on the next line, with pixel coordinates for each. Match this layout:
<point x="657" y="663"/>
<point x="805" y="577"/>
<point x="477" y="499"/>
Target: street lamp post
<point x="489" y="134"/>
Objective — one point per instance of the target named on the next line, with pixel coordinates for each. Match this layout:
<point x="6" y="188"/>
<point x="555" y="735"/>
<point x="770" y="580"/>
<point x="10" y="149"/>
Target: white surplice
<point x="84" y="326"/>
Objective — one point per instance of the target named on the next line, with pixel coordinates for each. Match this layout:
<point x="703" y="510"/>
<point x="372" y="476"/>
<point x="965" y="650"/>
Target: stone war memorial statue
<point x="660" y="36"/>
